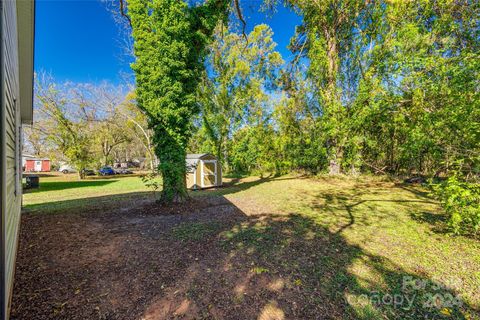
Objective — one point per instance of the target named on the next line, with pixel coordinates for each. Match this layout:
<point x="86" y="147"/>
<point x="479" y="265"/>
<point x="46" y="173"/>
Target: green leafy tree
<point x="327" y="39"/>
<point x="234" y="91"/>
<point x="170" y="41"/>
<point x="110" y="134"/>
<point x="391" y="95"/>
<point x="137" y="125"/>
<point x="64" y="126"/>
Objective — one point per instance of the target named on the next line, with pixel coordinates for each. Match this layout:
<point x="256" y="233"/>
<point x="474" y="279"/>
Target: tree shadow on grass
<point x="288" y="267"/>
<point x="63" y="185"/>
<point x="236" y="185"/>
<point x="213" y="263"/>
<point x="436" y="220"/>
<point x="107" y="204"/>
<point x="360" y="205"/>
<point x="121" y="200"/>
<point x="322" y="276"/>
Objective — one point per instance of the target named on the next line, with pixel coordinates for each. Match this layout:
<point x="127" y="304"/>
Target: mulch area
<point x="128" y="264"/>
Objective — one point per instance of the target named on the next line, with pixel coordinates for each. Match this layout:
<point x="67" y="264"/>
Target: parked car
<point x="88" y="172"/>
<point x="123" y="171"/>
<point x="65" y="168"/>
<point x="106" y="171"/>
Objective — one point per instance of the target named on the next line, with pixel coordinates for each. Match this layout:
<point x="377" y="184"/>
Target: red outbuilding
<point x="34" y="164"/>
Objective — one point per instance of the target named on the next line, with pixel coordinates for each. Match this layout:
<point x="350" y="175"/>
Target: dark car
<point x="88" y="172"/>
<point x="106" y="171"/>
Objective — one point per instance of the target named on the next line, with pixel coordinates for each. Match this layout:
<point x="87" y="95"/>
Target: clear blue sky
<point x="79" y="41"/>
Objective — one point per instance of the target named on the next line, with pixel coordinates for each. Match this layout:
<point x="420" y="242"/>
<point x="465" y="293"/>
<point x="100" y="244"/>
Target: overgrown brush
<point x="461" y="200"/>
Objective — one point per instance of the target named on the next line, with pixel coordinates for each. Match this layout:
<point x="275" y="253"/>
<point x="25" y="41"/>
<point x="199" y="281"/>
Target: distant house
<point x="16" y="86"/>
<point x="35" y="164"/>
<point x="203" y="171"/>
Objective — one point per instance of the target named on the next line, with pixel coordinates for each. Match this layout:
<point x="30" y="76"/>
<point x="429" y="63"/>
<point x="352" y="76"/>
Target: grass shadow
<point x="63" y="185"/>
<point x="436" y="221"/>
<point x="40" y="174"/>
<point x="90" y="204"/>
<point x="236" y="185"/>
<point x="421" y="193"/>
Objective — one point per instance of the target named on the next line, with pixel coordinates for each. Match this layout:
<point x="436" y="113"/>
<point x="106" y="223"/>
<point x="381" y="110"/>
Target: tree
<point x="240" y="71"/>
<point x="110" y="133"/>
<point x="328" y="40"/>
<point x="137" y="124"/>
<point x="65" y="125"/>
<point x="105" y="118"/>
<point x="78" y="123"/>
<point x="35" y="138"/>
<point x="170" y="40"/>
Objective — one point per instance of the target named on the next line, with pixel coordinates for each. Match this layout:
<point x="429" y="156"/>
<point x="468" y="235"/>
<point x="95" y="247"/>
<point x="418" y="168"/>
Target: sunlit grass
<point x="392" y="222"/>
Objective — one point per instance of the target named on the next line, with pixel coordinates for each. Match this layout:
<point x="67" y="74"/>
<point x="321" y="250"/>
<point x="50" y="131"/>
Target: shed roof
<point x="30" y="157"/>
<point x="193" y="159"/>
<point x="197" y="155"/>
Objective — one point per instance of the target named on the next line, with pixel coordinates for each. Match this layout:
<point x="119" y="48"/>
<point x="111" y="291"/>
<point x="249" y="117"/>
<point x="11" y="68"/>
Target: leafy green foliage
<point x="63" y="128"/>
<point x="170" y="40"/>
<point x="234" y="91"/>
<point x="253" y="150"/>
<point x="461" y="201"/>
<point x="151" y="181"/>
<point x="376" y="93"/>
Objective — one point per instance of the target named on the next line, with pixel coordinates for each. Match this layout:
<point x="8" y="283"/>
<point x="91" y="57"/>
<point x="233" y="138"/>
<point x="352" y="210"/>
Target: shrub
<point x="461" y="200"/>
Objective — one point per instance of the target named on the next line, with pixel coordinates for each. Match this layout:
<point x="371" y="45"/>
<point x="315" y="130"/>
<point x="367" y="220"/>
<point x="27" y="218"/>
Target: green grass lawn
<point x="398" y="230"/>
<point x="61" y="192"/>
<point x="359" y="239"/>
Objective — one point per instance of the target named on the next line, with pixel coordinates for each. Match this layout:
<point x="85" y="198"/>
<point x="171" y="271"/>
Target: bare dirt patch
<point x="155" y="262"/>
<point x="108" y="265"/>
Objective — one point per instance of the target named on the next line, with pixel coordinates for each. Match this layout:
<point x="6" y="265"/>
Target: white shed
<point x="203" y="171"/>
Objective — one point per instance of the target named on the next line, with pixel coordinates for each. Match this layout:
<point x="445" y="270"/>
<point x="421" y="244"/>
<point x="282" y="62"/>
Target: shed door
<point x="209" y="173"/>
<point x="38" y="165"/>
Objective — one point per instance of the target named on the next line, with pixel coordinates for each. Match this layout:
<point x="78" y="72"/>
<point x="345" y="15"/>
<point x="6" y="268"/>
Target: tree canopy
<point x="170" y="41"/>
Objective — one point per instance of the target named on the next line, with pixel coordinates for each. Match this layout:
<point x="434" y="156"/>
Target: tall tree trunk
<point x="332" y="103"/>
<point x="172" y="167"/>
<point x="106" y="152"/>
<point x="219" y="151"/>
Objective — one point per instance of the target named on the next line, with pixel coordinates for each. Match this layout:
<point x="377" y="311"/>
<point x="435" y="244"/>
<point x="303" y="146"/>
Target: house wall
<point x="30" y="165"/>
<point x="219" y="174"/>
<point x="10" y="150"/>
<point x="190" y="180"/>
<point x="45" y="165"/>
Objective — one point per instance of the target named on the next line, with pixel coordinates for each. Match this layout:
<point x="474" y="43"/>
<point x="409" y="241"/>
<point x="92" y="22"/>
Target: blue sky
<point x="79" y="40"/>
